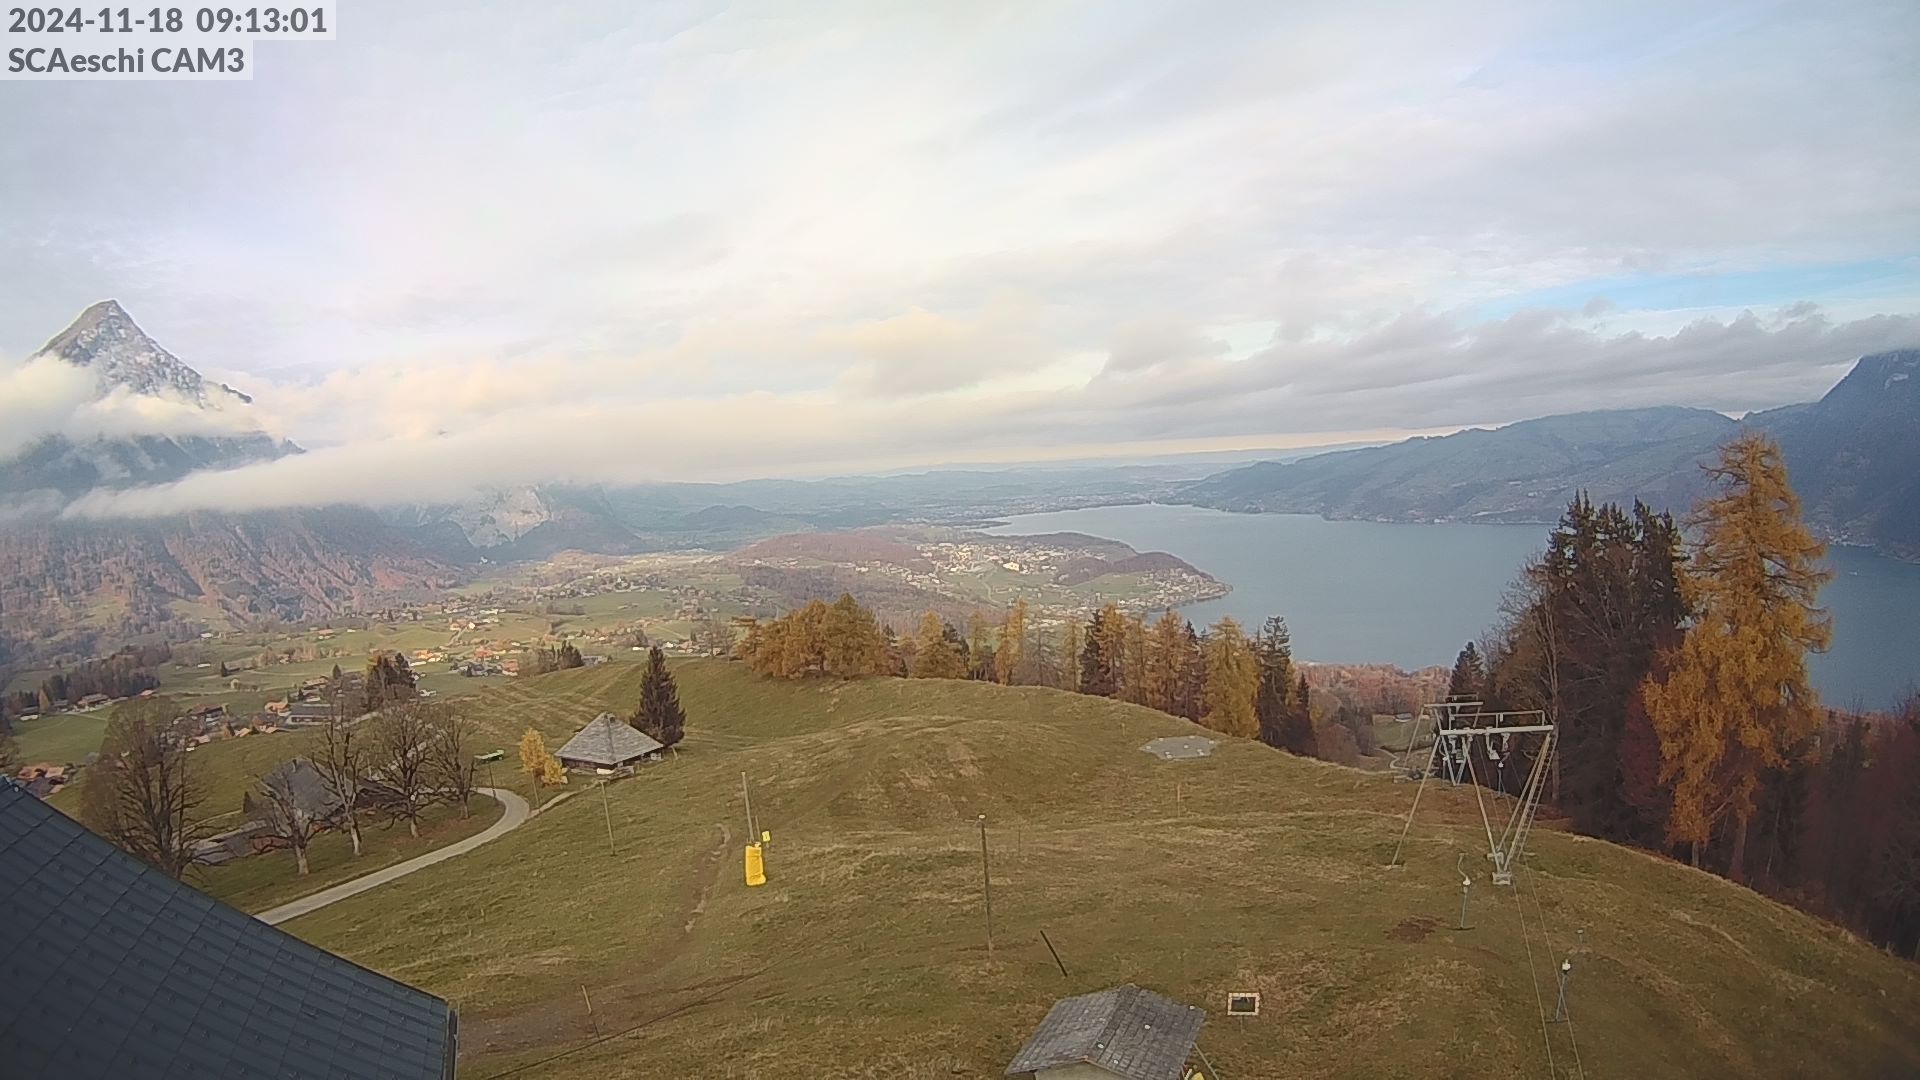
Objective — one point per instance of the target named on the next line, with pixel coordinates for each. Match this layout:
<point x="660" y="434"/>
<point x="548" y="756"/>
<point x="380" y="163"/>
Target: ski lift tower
<point x="1436" y="717"/>
<point x="1455" y="726"/>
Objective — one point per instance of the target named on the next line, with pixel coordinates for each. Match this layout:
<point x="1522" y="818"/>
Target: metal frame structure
<point x="1455" y="725"/>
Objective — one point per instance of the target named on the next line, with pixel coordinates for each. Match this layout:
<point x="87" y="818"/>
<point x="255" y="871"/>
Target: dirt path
<point x="616" y="1005"/>
<point x="515" y="815"/>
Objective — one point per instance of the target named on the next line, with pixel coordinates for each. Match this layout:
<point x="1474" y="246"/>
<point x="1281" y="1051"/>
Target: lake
<point x="1411" y="595"/>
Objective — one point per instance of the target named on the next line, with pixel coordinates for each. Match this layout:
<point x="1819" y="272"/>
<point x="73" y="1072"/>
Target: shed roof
<point x="1178" y="747"/>
<point x="608" y="740"/>
<point x="109" y="968"/>
<point x="1128" y="1031"/>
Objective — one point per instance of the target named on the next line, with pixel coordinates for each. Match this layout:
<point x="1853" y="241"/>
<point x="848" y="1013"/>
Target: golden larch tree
<point x="1233" y="676"/>
<point x="1133" y="659"/>
<point x="933" y="657"/>
<point x="1012" y="651"/>
<point x="541" y="767"/>
<point x="1735" y="701"/>
<point x="852" y="644"/>
<point x="1165" y="663"/>
<point x="1070" y="655"/>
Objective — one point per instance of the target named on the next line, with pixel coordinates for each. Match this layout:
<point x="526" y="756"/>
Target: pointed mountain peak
<point x="106" y="339"/>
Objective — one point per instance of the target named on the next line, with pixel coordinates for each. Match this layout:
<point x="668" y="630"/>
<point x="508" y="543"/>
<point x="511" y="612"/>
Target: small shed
<point x="1126" y="1033"/>
<point x="608" y="744"/>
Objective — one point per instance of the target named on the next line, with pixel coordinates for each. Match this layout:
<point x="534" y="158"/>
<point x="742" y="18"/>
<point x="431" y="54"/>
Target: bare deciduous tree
<point x="340" y="753"/>
<point x="142" y="793"/>
<point x="401" y="755"/>
<point x="295" y="805"/>
<point x="451" y="763"/>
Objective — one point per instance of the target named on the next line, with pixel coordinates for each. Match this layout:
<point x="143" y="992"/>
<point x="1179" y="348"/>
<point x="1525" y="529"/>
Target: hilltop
<point x="1251" y="869"/>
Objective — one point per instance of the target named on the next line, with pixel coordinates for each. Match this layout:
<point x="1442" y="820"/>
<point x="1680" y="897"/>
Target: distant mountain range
<point x="1854" y="457"/>
<point x="71" y="587"/>
<point x="105" y="340"/>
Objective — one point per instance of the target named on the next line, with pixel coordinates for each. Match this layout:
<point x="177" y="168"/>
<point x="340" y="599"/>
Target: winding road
<point x="515" y="815"/>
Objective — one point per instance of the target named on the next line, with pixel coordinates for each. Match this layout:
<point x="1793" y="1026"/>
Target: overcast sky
<point x="702" y="240"/>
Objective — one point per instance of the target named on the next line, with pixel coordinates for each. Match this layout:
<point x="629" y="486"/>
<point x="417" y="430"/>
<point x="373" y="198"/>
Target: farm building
<point x="1125" y="1033"/>
<point x="608" y="745"/>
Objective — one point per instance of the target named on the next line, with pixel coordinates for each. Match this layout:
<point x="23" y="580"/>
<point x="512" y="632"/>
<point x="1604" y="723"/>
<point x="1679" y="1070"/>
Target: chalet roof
<point x="109" y="968"/>
<point x="608" y="740"/>
<point x="1128" y="1031"/>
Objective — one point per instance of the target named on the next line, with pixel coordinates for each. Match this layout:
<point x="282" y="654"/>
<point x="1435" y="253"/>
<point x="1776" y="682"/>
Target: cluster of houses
<point x="43" y="779"/>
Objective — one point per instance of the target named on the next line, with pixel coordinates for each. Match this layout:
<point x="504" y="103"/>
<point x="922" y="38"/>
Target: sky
<point x="504" y="243"/>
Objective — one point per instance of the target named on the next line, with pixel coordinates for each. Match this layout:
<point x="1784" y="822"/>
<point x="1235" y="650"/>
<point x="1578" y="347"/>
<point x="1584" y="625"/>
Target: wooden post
<point x="986" y="882"/>
<point x="751" y="834"/>
<point x="608" y="807"/>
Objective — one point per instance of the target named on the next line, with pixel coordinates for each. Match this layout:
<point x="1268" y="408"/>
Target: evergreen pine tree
<point x="1097" y="663"/>
<point x="660" y="714"/>
<point x="1469" y="679"/>
<point x="1272" y="702"/>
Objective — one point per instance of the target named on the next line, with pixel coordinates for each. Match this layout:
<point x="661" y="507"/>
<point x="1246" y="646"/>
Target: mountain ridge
<point x="1853" y="455"/>
<point x="72" y="586"/>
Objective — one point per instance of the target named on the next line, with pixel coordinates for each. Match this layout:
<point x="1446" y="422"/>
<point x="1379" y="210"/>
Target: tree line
<point x="1221" y="677"/>
<point x="1674" y="666"/>
<point x="124" y="674"/>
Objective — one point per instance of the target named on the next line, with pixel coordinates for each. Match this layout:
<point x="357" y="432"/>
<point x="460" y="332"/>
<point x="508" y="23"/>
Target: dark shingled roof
<point x="607" y="740"/>
<point x="109" y="968"/>
<point x="1127" y="1031"/>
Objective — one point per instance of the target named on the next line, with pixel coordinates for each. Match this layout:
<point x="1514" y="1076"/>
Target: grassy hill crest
<point x="865" y="954"/>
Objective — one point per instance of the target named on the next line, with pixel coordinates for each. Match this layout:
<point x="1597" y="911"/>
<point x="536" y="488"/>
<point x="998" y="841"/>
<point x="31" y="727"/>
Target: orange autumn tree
<point x="1233" y="677"/>
<point x="1735" y="702"/>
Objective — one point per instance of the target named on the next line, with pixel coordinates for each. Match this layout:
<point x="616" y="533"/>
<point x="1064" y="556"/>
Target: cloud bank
<point x="707" y="239"/>
<point x="46" y="396"/>
<point x="1418" y="368"/>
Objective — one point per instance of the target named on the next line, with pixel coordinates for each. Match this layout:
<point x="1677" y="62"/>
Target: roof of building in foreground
<point x="608" y="740"/>
<point x="109" y="968"/>
<point x="1127" y="1031"/>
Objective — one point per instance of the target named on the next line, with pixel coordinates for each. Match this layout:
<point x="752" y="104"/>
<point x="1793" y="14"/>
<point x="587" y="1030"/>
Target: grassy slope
<point x="262" y="881"/>
<point x="864" y="957"/>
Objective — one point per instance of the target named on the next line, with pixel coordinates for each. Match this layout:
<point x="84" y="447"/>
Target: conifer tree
<point x="1233" y="677"/>
<point x="1133" y="658"/>
<point x="1273" y="700"/>
<point x="1069" y="658"/>
<point x="1010" y="655"/>
<point x="1469" y="679"/>
<point x="934" y="656"/>
<point x="1735" y="702"/>
<point x="1099" y="656"/>
<point x="1193" y="683"/>
<point x="852" y="646"/>
<point x="659" y="714"/>
<point x="1165" y="666"/>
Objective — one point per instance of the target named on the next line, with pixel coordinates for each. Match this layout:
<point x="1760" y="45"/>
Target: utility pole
<point x="986" y="882"/>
